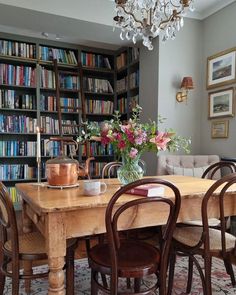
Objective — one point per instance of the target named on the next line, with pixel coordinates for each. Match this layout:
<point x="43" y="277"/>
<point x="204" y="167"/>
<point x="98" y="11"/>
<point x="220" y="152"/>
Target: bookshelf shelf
<point x="99" y="70"/>
<point x="18" y="59"/>
<point x="18" y="110"/>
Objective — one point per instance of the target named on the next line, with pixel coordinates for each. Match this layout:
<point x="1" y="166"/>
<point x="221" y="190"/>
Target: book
<point x="147" y="190"/>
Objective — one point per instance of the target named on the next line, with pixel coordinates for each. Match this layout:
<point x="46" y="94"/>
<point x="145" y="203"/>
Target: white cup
<point x="94" y="187"/>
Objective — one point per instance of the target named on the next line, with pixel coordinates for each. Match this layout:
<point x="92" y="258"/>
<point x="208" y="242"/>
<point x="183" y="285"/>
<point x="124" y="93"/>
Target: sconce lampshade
<point x="187" y="83"/>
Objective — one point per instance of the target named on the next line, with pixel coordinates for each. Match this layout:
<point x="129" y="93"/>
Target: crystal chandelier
<point x="149" y="18"/>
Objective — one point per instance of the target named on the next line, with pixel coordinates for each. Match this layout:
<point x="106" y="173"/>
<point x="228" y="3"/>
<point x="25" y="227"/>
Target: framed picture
<point x="221" y="103"/>
<point x="221" y="68"/>
<point x="220" y="129"/>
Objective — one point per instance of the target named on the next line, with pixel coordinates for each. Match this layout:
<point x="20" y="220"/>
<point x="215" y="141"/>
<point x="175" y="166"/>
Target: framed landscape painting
<point x="220" y="129"/>
<point x="221" y="68"/>
<point x="221" y="103"/>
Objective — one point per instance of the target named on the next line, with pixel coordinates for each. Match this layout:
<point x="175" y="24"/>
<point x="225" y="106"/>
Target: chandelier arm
<point x="169" y="19"/>
<point x="129" y="13"/>
<point x="175" y="5"/>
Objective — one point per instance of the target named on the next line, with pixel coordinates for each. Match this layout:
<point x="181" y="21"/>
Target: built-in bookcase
<point x="127" y="80"/>
<point x="92" y="84"/>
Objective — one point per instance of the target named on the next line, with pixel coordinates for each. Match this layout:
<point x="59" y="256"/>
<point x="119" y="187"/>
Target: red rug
<point x="221" y="283"/>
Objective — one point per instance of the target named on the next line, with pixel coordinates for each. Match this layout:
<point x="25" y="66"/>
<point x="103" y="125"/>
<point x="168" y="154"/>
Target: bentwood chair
<point x="214" y="171"/>
<point x="22" y="250"/>
<point x="110" y="169"/>
<point x="121" y="257"/>
<point x="204" y="240"/>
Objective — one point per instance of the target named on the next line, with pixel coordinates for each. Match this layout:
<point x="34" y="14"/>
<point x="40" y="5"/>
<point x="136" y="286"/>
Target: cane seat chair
<point x="22" y="250"/>
<point x="127" y="258"/>
<point x="204" y="240"/>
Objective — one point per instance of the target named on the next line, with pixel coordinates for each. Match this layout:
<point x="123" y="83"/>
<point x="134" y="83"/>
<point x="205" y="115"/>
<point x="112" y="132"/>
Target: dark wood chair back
<point x="113" y="215"/>
<point x="110" y="169"/>
<point x="228" y="166"/>
<point x="8" y="225"/>
<point x="221" y="185"/>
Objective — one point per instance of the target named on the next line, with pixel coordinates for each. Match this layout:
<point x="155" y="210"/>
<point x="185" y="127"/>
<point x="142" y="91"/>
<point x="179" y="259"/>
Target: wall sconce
<point x="187" y="83"/>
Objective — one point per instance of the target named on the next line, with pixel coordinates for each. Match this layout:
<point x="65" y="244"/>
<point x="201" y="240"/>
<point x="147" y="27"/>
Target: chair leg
<point x="94" y="277"/>
<point x="70" y="272"/>
<point x="27" y="266"/>
<point x="2" y="276"/>
<point x="229" y="270"/>
<point x="15" y="279"/>
<point x="171" y="273"/>
<point x="190" y="275"/>
<point x="137" y="284"/>
<point x="207" y="264"/>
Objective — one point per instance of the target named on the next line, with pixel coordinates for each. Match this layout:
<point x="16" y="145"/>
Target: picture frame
<point x="220" y="129"/>
<point x="221" y="69"/>
<point x="221" y="103"/>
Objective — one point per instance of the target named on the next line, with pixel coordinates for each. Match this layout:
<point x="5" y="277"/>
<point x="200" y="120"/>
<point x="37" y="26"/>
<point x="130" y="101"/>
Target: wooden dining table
<point x="61" y="214"/>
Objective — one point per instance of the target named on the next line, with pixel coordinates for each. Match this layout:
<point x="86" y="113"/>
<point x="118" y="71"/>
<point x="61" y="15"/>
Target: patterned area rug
<point x="221" y="283"/>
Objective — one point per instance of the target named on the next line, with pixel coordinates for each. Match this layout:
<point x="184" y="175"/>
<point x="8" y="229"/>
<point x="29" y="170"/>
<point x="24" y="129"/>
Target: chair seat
<point x="33" y="244"/>
<point x="190" y="236"/>
<point x="135" y="259"/>
<point x="212" y="222"/>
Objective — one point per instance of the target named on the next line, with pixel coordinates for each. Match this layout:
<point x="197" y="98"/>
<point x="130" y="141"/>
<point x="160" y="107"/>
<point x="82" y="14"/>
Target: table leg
<point x="26" y="221"/>
<point x="56" y="276"/>
<point x="56" y="249"/>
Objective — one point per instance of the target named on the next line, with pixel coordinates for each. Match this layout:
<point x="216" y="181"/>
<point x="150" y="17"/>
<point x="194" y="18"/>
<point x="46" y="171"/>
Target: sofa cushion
<point x="196" y="172"/>
<point x="185" y="161"/>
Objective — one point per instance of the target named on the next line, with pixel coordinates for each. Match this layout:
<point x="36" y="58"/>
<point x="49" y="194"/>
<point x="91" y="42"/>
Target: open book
<point x="147" y="190"/>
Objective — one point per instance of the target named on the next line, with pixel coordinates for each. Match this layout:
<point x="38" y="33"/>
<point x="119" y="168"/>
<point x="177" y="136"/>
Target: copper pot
<point x="63" y="171"/>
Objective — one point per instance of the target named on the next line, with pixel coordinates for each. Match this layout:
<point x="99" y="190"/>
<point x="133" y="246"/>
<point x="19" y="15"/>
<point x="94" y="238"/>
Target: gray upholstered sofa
<point x="191" y="165"/>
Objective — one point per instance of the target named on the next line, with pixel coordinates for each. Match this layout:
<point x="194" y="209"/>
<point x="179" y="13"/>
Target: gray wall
<point x="161" y="72"/>
<point x="218" y="35"/>
<point x="179" y="58"/>
<point x="148" y="93"/>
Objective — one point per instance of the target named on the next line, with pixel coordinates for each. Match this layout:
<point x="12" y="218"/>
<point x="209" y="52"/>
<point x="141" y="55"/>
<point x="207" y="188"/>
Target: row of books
<point x="61" y="55"/>
<point x="15" y="197"/>
<point x="121" y="60"/>
<point x="50" y="148"/>
<point x="134" y="79"/>
<point x="13" y="100"/>
<point x="122" y="84"/>
<point x="99" y="106"/>
<point x="17" y="171"/>
<point x="13" y="148"/>
<point x="69" y="81"/>
<point x="17" y="75"/>
<point x="51" y="126"/>
<point x="95" y="60"/>
<point x="47" y="78"/>
<point x="97" y="85"/>
<point x="19" y="49"/>
<point x="133" y="101"/>
<point x="17" y="124"/>
<point x="98" y="149"/>
<point x="49" y="103"/>
<point x="96" y="168"/>
<point x="122" y="105"/>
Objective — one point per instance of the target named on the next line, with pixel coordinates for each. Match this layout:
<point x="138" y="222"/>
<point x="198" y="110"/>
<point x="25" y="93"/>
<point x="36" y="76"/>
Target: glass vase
<point x="131" y="170"/>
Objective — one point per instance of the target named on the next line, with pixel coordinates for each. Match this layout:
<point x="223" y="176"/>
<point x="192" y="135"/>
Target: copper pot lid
<point x="62" y="160"/>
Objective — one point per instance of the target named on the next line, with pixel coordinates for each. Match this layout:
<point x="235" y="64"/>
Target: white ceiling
<point x="76" y="21"/>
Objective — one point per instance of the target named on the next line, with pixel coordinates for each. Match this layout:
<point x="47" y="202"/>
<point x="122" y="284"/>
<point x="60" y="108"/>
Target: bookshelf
<point x="88" y="90"/>
<point x="127" y="80"/>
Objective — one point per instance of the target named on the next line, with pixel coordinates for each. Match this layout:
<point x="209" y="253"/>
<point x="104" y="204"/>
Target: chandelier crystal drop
<point x="151" y="18"/>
